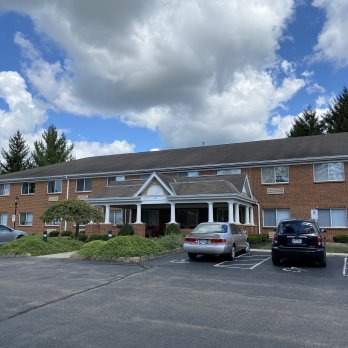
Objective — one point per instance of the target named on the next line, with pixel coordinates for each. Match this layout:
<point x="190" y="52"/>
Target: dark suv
<point x="299" y="238"/>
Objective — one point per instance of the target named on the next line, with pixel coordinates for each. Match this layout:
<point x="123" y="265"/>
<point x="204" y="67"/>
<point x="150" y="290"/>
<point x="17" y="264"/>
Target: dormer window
<point x="155" y="190"/>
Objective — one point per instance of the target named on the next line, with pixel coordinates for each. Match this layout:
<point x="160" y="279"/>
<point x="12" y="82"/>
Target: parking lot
<point x="173" y="302"/>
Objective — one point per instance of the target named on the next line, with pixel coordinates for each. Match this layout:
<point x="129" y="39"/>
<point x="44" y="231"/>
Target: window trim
<point x="275" y="182"/>
<point x="328" y="180"/>
<point x="276" y="211"/>
<point x="55" y="192"/>
<point x="4" y="190"/>
<point x="84" y="185"/>
<point x="29" y="193"/>
<point x="330" y="209"/>
<point x="26" y="214"/>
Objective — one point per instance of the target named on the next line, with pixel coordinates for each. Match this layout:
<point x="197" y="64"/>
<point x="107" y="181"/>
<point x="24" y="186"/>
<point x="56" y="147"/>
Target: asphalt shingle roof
<point x="320" y="146"/>
<point x="181" y="186"/>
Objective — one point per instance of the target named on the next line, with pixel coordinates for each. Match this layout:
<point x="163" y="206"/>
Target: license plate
<point x="203" y="241"/>
<point x="296" y="241"/>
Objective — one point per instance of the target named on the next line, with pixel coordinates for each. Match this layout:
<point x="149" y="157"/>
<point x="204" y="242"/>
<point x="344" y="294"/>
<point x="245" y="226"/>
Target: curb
<point x="136" y="259"/>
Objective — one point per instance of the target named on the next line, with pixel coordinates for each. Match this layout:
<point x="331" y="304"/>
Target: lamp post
<point x="15" y="212"/>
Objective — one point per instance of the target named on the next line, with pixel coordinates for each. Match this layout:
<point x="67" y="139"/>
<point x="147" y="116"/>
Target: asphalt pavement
<point x="173" y="302"/>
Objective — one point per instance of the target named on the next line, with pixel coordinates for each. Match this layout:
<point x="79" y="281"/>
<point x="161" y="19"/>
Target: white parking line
<point x="345" y="267"/>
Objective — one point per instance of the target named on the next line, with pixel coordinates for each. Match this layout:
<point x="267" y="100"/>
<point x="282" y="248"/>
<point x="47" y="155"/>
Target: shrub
<point x="340" y="238"/>
<point x="66" y="234"/>
<point x="171" y="241"/>
<point x="82" y="237"/>
<point x="54" y="234"/>
<point x="95" y="236"/>
<point x="257" y="238"/>
<point x="121" y="246"/>
<point x="126" y="230"/>
<point x="105" y="237"/>
<point x="172" y="229"/>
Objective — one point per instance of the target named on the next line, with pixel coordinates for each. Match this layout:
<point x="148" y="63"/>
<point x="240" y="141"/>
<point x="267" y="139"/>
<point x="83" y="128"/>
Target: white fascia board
<point x="247" y="186"/>
<point x="148" y="181"/>
<point x="211" y="198"/>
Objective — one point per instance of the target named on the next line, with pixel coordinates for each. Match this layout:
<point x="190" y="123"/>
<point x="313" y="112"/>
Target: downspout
<point x="67" y="197"/>
<point x="258" y="218"/>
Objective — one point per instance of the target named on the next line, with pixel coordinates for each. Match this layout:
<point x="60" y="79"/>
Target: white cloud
<point x="332" y="42"/>
<point x="192" y="70"/>
<point x="315" y="88"/>
<point x="22" y="113"/>
<point x="88" y="149"/>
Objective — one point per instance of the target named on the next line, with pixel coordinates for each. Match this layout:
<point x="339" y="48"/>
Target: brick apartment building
<point x="255" y="184"/>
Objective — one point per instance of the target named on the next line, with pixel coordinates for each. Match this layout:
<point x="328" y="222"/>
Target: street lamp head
<point x="16" y="200"/>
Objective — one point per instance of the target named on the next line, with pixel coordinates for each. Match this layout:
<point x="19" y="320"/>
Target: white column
<point x="236" y="213"/>
<point x="138" y="221"/>
<point x="210" y="212"/>
<point x="230" y="212"/>
<point x="247" y="216"/>
<point x="130" y="216"/>
<point x="251" y="215"/>
<point x="172" y="213"/>
<point x="107" y="214"/>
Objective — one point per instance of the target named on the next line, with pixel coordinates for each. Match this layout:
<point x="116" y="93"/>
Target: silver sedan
<point x="8" y="234"/>
<point x="216" y="238"/>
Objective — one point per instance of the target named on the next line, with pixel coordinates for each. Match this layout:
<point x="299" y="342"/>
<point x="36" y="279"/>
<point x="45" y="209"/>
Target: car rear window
<point x="211" y="228"/>
<point x="296" y="227"/>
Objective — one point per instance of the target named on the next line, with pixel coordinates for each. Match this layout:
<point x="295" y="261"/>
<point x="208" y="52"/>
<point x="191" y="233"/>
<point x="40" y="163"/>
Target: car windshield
<point x="296" y="227"/>
<point x="210" y="228"/>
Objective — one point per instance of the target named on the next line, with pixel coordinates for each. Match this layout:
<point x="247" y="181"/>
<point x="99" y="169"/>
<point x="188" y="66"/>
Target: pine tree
<point x="336" y="119"/>
<point x="16" y="158"/>
<point x="52" y="149"/>
<point x="306" y="124"/>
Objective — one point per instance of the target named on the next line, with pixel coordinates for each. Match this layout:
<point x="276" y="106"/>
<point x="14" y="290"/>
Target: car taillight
<point x="191" y="240"/>
<point x="319" y="241"/>
<point x="215" y="241"/>
<point x="275" y="239"/>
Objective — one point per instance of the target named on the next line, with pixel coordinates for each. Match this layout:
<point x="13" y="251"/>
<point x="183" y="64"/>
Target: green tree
<point x="306" y="124"/>
<point x="53" y="149"/>
<point x="336" y="119"/>
<point x="73" y="210"/>
<point x="17" y="157"/>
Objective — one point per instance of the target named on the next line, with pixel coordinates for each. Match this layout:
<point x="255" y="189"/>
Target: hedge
<point x="54" y="233"/>
<point x="340" y="238"/>
<point x="258" y="238"/>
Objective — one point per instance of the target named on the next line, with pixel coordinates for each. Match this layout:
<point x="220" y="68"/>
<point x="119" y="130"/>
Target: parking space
<point x="245" y="261"/>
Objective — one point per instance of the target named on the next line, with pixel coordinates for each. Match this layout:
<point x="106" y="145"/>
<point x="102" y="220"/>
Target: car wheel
<point x="231" y="256"/>
<point x="322" y="261"/>
<point x="247" y="249"/>
<point x="276" y="260"/>
<point x="192" y="256"/>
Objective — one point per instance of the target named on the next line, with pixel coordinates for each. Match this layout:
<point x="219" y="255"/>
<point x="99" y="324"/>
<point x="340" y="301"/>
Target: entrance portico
<point x="161" y="200"/>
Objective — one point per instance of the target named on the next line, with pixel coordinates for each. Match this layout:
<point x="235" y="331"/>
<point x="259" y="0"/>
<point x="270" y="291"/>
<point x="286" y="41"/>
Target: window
<point x="271" y="217"/>
<point x="228" y="171"/>
<point x="188" y="217"/>
<point x="333" y="171"/>
<point x="332" y="217"/>
<point x="54" y="186"/>
<point x="55" y="222"/>
<point x="112" y="179"/>
<point x="116" y="217"/>
<point x="83" y="185"/>
<point x="26" y="219"/>
<point x="4" y="189"/>
<point x="3" y="218"/>
<point x="189" y="174"/>
<point x="271" y="175"/>
<point x="28" y="188"/>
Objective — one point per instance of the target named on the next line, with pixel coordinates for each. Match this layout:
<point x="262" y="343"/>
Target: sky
<point x="120" y="76"/>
